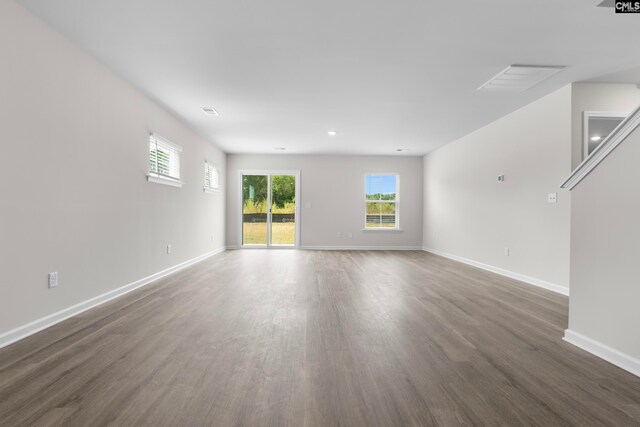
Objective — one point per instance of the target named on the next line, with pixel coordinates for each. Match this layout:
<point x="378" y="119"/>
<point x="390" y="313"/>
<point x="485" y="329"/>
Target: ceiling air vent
<point x="518" y="78"/>
<point x="209" y="111"/>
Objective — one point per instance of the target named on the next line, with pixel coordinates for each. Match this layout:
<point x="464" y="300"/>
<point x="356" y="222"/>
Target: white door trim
<point x="586" y="115"/>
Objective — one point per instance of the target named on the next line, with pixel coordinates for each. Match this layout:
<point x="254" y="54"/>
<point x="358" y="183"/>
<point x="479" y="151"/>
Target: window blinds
<point x="164" y="158"/>
<point x="211" y="178"/>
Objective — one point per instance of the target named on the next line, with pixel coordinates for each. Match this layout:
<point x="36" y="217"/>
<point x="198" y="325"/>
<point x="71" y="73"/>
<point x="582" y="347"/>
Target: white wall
<point x="605" y="290"/>
<point x="622" y="98"/>
<point x="74" y="194"/>
<point x="334" y="185"/>
<point x="468" y="214"/>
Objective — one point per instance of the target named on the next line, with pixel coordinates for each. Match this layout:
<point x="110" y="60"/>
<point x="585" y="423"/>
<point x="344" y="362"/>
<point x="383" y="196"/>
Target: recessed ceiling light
<point x="596" y="138"/>
<point x="332" y="133"/>
<point x="402" y="149"/>
<point x="518" y="78"/>
<point x="280" y="148"/>
<point x="210" y="111"/>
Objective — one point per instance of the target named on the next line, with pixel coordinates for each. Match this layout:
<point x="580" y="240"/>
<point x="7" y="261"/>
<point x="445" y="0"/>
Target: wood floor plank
<point x="317" y="338"/>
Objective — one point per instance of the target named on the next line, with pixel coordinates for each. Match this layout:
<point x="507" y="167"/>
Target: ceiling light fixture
<point x="332" y="133"/>
<point x="210" y="111"/>
<point x="518" y="78"/>
<point x="596" y="138"/>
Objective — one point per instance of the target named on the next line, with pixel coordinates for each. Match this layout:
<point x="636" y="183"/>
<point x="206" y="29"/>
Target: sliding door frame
<point x="269" y="173"/>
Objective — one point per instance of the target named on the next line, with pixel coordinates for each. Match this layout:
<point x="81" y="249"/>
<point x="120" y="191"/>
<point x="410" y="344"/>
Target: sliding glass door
<point x="269" y="208"/>
<point x="283" y="210"/>
<point x="255" y="212"/>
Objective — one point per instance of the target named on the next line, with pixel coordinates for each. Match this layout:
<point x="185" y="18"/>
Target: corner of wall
<point x="468" y="215"/>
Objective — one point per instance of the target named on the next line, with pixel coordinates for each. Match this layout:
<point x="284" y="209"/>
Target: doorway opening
<point x="596" y="127"/>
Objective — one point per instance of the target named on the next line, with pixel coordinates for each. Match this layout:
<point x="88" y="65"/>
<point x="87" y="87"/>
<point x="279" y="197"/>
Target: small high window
<point x="164" y="161"/>
<point x="211" y="178"/>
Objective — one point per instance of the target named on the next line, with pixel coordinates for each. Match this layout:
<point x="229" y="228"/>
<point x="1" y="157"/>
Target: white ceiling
<point x="384" y="74"/>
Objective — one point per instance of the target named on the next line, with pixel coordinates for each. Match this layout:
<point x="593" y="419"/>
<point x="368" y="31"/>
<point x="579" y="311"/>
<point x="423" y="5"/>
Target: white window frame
<point x="586" y="116"/>
<point x="208" y="186"/>
<point x="396" y="201"/>
<point x="175" y="150"/>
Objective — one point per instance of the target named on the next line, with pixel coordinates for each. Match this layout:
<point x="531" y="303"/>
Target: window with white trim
<point x="382" y="200"/>
<point x="164" y="161"/>
<point x="211" y="178"/>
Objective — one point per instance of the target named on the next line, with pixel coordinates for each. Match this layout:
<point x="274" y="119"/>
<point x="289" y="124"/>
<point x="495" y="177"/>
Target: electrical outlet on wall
<point x="506" y="251"/>
<point x="552" y="198"/>
<point x="53" y="279"/>
<point x="168" y="249"/>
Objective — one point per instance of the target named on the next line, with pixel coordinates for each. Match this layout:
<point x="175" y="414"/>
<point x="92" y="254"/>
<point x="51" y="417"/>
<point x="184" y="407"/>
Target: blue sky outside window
<point x="381" y="187"/>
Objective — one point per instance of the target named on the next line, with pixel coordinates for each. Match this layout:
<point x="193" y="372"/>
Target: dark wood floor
<point x="317" y="338"/>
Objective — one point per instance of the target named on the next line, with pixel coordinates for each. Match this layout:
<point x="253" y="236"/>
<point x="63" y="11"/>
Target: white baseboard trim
<point x="339" y="248"/>
<point x="361" y="248"/>
<point x="603" y="351"/>
<point x="45" y="322"/>
<point x="501" y="271"/>
<point x="262" y="248"/>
